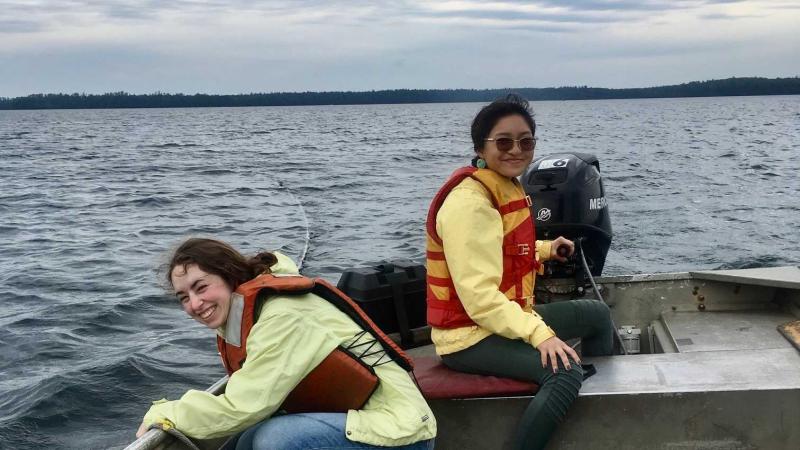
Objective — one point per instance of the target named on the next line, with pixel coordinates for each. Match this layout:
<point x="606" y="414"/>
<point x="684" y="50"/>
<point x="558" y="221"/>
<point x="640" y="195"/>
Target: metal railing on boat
<point x="157" y="439"/>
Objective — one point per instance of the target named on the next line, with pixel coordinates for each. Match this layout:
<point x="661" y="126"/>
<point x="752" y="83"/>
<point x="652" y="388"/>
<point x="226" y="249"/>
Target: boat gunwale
<point x="157" y="439"/>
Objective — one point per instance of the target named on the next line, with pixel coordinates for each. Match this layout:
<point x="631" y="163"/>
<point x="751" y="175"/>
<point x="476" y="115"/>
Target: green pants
<point x="513" y="358"/>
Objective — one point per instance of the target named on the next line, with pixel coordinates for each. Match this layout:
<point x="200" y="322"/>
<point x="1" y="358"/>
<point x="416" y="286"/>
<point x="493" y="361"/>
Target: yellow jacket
<point x="293" y="335"/>
<point x="472" y="234"/>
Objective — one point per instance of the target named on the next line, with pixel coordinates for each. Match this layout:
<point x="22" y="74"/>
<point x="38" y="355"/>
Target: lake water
<point x="92" y="200"/>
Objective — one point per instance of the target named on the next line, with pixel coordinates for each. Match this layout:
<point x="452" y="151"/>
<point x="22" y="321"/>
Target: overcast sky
<point x="238" y="46"/>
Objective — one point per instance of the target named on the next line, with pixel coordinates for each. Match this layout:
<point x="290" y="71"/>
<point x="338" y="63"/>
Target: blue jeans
<point x="309" y="431"/>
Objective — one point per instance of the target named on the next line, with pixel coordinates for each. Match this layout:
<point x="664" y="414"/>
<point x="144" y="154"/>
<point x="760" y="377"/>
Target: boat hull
<point x="714" y="373"/>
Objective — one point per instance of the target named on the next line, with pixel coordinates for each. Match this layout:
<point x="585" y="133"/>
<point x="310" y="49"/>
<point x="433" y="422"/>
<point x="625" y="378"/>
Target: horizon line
<point x="122" y="92"/>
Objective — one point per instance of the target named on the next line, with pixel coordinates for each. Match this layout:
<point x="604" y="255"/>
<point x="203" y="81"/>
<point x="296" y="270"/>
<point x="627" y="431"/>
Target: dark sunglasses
<point x="505" y="144"/>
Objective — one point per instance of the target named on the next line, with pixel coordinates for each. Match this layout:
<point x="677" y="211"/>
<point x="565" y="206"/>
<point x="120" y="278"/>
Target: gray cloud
<point x="46" y="14"/>
<point x="219" y="46"/>
<point x="722" y="16"/>
<point x="515" y="16"/>
<point x="19" y="26"/>
<point x="126" y="11"/>
<point x="612" y="5"/>
<point x="792" y="6"/>
<point x="623" y="5"/>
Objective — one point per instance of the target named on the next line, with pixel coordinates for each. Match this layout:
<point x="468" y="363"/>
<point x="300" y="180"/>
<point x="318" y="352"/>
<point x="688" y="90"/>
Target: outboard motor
<point x="569" y="200"/>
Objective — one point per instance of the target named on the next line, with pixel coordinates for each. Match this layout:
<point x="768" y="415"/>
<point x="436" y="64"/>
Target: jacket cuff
<point x="541" y="334"/>
<point x="543" y="249"/>
<point x="155" y="415"/>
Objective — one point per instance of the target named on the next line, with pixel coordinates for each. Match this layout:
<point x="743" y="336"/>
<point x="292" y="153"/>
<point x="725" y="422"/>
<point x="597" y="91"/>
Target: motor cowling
<point x="569" y="200"/>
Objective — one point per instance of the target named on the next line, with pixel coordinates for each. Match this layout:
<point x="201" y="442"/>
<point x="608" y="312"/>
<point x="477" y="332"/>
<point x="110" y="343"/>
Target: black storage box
<point x="392" y="294"/>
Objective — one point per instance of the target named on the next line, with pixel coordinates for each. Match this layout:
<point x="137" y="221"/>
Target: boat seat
<point x="437" y="382"/>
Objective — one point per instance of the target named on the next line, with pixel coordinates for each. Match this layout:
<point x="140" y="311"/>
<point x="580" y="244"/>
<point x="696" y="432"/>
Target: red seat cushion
<point x="438" y="382"/>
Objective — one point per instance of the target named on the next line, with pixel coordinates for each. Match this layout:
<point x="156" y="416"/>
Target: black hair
<point x="490" y="114"/>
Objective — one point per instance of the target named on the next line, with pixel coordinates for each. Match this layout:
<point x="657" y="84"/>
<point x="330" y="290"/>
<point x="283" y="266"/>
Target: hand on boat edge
<point x="142" y="430"/>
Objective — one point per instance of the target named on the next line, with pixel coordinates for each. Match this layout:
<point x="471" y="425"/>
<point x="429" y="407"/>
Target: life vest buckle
<point x="524" y="302"/>
<point x="523" y="249"/>
<point x="529" y="301"/>
<point x="528" y="201"/>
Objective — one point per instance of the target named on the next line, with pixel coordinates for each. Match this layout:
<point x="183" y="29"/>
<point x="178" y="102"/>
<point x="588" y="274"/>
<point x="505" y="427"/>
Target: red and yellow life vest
<point x="342" y="381"/>
<point x="445" y="309"/>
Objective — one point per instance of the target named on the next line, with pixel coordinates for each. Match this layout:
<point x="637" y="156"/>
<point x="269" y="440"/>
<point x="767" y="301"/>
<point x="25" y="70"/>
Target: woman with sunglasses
<point x="282" y="343"/>
<point x="482" y="259"/>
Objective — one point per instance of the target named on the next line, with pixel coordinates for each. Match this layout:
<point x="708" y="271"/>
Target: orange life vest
<point x="342" y="381"/>
<point x="445" y="309"/>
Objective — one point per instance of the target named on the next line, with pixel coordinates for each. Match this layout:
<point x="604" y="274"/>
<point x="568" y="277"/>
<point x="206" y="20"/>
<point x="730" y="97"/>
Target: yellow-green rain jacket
<point x="292" y="336"/>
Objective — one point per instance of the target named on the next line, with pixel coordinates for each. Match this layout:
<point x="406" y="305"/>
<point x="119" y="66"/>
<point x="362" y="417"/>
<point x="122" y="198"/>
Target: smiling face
<point x="205" y="297"/>
<point x="513" y="162"/>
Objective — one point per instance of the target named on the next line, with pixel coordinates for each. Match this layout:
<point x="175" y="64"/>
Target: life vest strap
<point x="515" y="205"/>
<point x="345" y="304"/>
<point x="446" y="305"/>
<point x="517" y="249"/>
<point x="440" y="282"/>
<point x="436" y="256"/>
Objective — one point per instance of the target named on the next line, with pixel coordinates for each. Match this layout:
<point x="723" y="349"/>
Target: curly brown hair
<point x="218" y="258"/>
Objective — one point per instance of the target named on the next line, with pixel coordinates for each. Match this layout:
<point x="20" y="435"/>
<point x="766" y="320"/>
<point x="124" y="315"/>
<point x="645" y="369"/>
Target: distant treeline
<point x="711" y="88"/>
